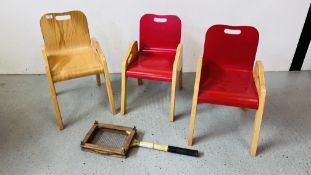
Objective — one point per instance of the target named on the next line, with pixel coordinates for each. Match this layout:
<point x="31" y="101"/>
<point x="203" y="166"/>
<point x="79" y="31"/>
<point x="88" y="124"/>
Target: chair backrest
<point x="231" y="46"/>
<point x="63" y="31"/>
<point x="161" y="32"/>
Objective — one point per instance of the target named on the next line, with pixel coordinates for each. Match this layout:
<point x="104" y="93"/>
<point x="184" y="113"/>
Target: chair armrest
<point x="97" y="48"/>
<point x="45" y="59"/>
<point x="259" y="78"/>
<point x="131" y="54"/>
<point x="95" y="45"/>
<point x="178" y="58"/>
<point x="198" y="77"/>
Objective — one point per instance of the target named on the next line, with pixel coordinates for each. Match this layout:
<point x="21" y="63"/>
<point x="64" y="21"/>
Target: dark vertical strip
<point x="303" y="44"/>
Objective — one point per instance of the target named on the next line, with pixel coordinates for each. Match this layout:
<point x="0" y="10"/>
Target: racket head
<point x="108" y="139"/>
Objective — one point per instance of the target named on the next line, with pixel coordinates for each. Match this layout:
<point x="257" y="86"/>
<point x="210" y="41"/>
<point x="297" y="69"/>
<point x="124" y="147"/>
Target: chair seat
<point x="152" y="65"/>
<point x="227" y="86"/>
<point x="77" y="63"/>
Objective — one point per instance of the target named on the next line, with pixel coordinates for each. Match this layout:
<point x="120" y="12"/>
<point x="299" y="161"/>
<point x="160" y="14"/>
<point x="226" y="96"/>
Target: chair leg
<point x="256" y="130"/>
<point x="55" y="102"/>
<point x="98" y="79"/>
<point x="123" y="95"/>
<point x="194" y="102"/>
<point x="109" y="92"/>
<point x="140" y="81"/>
<point x="192" y="122"/>
<point x="180" y="82"/>
<point x="173" y="93"/>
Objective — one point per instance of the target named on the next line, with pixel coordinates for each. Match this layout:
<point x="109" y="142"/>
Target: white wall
<point x="115" y="23"/>
<point x="307" y="62"/>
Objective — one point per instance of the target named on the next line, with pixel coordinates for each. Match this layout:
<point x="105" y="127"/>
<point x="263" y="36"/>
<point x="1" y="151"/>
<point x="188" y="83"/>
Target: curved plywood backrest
<point x="63" y="31"/>
<point x="162" y="32"/>
<point x="231" y="46"/>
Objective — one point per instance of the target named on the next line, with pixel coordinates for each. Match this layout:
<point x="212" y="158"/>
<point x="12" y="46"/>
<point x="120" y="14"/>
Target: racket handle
<point x="183" y="151"/>
<point x="166" y="148"/>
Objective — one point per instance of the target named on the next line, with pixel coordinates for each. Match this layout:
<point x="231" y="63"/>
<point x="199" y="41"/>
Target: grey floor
<point x="30" y="142"/>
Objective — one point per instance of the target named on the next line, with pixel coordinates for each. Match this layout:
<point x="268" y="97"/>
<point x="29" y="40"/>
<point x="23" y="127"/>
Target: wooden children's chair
<point x="159" y="56"/>
<point x="68" y="53"/>
<point x="225" y="74"/>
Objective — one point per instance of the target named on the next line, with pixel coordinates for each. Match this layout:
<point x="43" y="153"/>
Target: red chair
<point x="225" y="75"/>
<point x="159" y="56"/>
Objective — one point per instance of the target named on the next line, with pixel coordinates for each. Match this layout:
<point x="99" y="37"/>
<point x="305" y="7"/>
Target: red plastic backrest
<point x="231" y="46"/>
<point x="159" y="32"/>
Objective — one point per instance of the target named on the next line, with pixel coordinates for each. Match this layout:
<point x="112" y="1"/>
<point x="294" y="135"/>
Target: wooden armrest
<point x="45" y="59"/>
<point x="178" y="58"/>
<point x="259" y="78"/>
<point x="131" y="54"/>
<point x="96" y="46"/>
<point x="198" y="76"/>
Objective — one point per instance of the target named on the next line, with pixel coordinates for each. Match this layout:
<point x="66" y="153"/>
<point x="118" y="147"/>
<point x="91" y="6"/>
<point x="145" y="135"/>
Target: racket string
<point x="109" y="139"/>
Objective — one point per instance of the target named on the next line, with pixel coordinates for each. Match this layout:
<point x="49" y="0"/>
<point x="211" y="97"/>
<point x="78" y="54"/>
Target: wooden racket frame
<point x="119" y="152"/>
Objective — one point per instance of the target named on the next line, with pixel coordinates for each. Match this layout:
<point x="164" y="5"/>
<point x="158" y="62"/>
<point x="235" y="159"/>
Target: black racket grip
<point x="183" y="151"/>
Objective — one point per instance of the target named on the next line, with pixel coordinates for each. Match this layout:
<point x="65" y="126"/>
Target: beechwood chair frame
<point x="259" y="78"/>
<point x="131" y="55"/>
<point x="91" y="43"/>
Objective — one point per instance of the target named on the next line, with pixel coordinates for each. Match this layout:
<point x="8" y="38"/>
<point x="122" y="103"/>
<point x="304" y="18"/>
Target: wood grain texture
<point x="103" y="149"/>
<point x="259" y="78"/>
<point x="114" y="127"/>
<point x="89" y="134"/>
<point x="61" y="36"/>
<point x="177" y="67"/>
<point x="103" y="62"/>
<point x="69" y="53"/>
<point x="52" y="91"/>
<point x="194" y="101"/>
<point x="129" y="57"/>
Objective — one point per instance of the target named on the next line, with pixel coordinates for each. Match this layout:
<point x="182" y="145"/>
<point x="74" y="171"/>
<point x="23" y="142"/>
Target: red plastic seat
<point x="225" y="74"/>
<point x="228" y="87"/>
<point x="159" y="56"/>
<point x="152" y="65"/>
